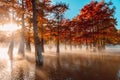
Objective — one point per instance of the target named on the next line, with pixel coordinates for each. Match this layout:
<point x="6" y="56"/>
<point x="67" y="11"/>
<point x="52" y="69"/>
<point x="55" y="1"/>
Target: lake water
<point x="74" y="66"/>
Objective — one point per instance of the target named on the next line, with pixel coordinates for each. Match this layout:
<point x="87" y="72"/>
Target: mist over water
<point x="75" y="64"/>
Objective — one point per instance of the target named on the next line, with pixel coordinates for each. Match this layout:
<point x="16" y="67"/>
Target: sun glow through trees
<point x="9" y="27"/>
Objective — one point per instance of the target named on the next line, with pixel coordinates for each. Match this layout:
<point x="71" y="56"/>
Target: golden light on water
<point x="12" y="70"/>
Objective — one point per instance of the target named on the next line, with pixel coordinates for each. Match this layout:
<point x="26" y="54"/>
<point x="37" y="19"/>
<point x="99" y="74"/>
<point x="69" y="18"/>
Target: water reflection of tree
<point x="22" y="70"/>
<point x="56" y="71"/>
<point x="21" y="74"/>
<point x="17" y="73"/>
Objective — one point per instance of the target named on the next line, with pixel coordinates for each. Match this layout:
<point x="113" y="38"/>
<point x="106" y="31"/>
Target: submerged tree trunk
<point x="21" y="50"/>
<point x="37" y="42"/>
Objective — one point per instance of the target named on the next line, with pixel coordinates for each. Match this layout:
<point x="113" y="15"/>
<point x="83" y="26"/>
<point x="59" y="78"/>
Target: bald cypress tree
<point x="37" y="42"/>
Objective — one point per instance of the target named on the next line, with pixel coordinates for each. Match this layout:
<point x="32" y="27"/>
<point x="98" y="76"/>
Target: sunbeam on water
<point x="15" y="69"/>
<point x="5" y="65"/>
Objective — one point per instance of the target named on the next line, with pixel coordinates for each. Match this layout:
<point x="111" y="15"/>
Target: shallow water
<point x="85" y="67"/>
<point x="67" y="67"/>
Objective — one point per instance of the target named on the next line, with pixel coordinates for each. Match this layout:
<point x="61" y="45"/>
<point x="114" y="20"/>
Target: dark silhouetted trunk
<point x="70" y="40"/>
<point x="58" y="42"/>
<point x="42" y="40"/>
<point x="58" y="33"/>
<point x="37" y="42"/>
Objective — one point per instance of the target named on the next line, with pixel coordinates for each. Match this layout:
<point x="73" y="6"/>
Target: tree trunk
<point x="10" y="49"/>
<point x="70" y="40"/>
<point x="42" y="40"/>
<point x="86" y="42"/>
<point x="21" y="47"/>
<point x="65" y="45"/>
<point x="37" y="42"/>
<point x="21" y="50"/>
<point x="58" y="38"/>
<point x="103" y="44"/>
<point x="65" y="42"/>
<point x="28" y="46"/>
<point x="80" y="45"/>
